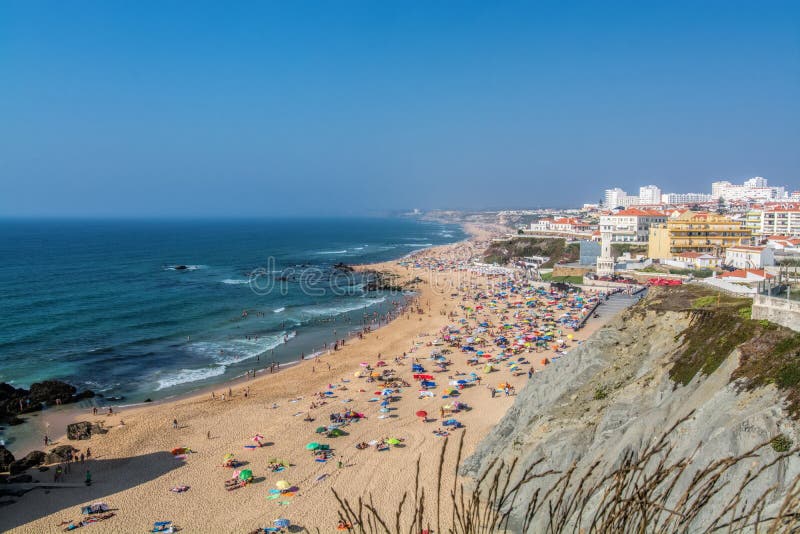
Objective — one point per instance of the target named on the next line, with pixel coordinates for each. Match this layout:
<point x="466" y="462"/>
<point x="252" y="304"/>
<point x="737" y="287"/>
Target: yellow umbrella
<point x="282" y="485"/>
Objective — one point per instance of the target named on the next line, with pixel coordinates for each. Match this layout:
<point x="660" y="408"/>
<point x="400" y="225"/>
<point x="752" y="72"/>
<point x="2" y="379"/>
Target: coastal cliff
<point x="681" y="358"/>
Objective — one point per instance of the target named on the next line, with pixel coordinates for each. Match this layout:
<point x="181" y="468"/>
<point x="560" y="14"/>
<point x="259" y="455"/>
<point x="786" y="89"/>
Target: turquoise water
<point x="101" y="303"/>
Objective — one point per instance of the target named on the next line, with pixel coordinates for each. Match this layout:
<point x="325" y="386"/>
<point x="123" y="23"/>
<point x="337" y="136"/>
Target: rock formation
<point x="84" y="430"/>
<point x="16" y="401"/>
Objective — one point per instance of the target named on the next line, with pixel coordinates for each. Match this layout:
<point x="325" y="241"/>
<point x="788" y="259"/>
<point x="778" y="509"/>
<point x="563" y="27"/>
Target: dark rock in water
<point x="84" y="430"/>
<point x="5" y="458"/>
<point x="148" y="400"/>
<point x="343" y="267"/>
<point x="62" y="453"/>
<point x="381" y="281"/>
<point x="180" y="267"/>
<point x="16" y="401"/>
<point x="31" y="460"/>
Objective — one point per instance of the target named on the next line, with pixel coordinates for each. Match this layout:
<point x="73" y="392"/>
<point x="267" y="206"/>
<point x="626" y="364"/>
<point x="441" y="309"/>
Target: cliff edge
<point x="684" y="358"/>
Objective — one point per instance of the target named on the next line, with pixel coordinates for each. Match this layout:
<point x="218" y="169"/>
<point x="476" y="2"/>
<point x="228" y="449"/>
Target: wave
<point x="238" y="350"/>
<point x="343" y="308"/>
<point x="332" y="252"/>
<point x="234" y="281"/>
<point x="416" y="245"/>
<point x="278" y="310"/>
<point x="184" y="376"/>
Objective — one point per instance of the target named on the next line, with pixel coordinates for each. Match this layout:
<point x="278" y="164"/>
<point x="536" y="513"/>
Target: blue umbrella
<point x="461" y="382"/>
<point x="282" y="523"/>
<point x="385" y="403"/>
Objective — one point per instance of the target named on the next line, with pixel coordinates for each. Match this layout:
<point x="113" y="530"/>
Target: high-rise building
<point x="718" y="187"/>
<point x="614" y="198"/>
<point x="756" y="182"/>
<point x="649" y="194"/>
<point x="685" y="198"/>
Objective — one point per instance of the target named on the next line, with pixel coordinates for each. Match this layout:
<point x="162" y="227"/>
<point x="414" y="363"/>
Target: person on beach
<point x="174" y="423"/>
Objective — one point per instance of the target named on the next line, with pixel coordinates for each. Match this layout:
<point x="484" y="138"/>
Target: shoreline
<point x="70" y="413"/>
<point x="133" y="469"/>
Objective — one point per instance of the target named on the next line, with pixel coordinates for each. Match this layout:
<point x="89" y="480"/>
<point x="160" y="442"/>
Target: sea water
<point x="151" y="309"/>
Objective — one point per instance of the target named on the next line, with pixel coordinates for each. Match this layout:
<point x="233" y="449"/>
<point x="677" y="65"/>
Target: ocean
<point x="153" y="309"/>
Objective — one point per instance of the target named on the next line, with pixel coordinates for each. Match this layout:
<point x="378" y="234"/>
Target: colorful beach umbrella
<point x="245" y="475"/>
<point x="282" y="485"/>
<point x="312" y="446"/>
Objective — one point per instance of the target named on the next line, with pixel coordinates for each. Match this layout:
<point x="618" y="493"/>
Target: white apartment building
<point x="744" y="257"/>
<point x="780" y="219"/>
<point x="752" y="189"/>
<point x="614" y="197"/>
<point x="649" y="194"/>
<point x="685" y="198"/>
<point x="630" y="225"/>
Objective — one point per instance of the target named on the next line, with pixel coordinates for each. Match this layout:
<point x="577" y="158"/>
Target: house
<point x="562" y="225"/>
<point x="780" y="242"/>
<point x="630" y="225"/>
<point x="698" y="260"/>
<point x="747" y="257"/>
<point x="746" y="276"/>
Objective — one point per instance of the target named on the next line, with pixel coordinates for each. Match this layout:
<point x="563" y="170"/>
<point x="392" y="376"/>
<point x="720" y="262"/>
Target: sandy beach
<point x="133" y="469"/>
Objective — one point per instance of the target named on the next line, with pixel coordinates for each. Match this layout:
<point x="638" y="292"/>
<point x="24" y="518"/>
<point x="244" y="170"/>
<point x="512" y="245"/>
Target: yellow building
<point x="700" y="232"/>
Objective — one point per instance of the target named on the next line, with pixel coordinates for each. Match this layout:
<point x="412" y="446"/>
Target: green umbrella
<point x="245" y="475"/>
<point x="335" y="432"/>
<point x="320" y="429"/>
<point x="393" y="441"/>
<point x="312" y="446"/>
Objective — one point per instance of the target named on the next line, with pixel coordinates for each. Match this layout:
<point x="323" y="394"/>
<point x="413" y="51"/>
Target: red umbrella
<point x="422" y="413"/>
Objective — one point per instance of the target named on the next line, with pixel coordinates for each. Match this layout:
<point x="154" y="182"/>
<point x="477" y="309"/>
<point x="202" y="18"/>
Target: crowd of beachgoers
<point x="266" y="453"/>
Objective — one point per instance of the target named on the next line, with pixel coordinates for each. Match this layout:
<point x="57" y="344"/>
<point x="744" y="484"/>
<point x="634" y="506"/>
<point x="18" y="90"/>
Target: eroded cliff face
<point x="622" y="389"/>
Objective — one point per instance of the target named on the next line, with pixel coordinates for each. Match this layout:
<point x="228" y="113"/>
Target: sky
<point x="178" y="108"/>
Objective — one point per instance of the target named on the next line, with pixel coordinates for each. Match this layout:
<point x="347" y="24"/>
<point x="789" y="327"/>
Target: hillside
<point x="556" y="249"/>
<point x="682" y="359"/>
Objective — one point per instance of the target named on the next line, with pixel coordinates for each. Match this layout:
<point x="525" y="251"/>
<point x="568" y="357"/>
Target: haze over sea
<point x="100" y="303"/>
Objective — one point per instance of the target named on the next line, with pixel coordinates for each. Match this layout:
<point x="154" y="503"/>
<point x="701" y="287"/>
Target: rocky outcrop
<point x="16" y="401"/>
<point x="23" y="464"/>
<point x="5" y="459"/>
<point x="84" y="430"/>
<point x="637" y="377"/>
<point x="60" y="454"/>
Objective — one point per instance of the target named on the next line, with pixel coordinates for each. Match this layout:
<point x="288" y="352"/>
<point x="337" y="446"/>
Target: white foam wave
<point x="417" y="245"/>
<point x="184" y="376"/>
<point x="237" y="350"/>
<point x="343" y="308"/>
<point x="278" y="310"/>
<point x="332" y="252"/>
<point x="234" y="281"/>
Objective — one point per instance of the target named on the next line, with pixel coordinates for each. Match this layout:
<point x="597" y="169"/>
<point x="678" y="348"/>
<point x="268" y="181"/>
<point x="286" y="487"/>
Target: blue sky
<point x="268" y="108"/>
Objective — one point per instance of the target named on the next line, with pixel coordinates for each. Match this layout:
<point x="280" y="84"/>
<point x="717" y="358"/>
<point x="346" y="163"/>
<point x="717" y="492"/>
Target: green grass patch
<point x="548" y="277"/>
<point x="781" y="443"/>
<point x="704" y="302"/>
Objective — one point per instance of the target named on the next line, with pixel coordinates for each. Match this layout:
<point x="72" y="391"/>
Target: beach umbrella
<point x="282" y="523"/>
<point x="320" y="429"/>
<point x="385" y="403"/>
<point x="245" y="475"/>
<point x="461" y="382"/>
<point x="227" y="457"/>
<point x="393" y="441"/>
<point x="422" y="413"/>
<point x="282" y="485"/>
<point x="312" y="446"/>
